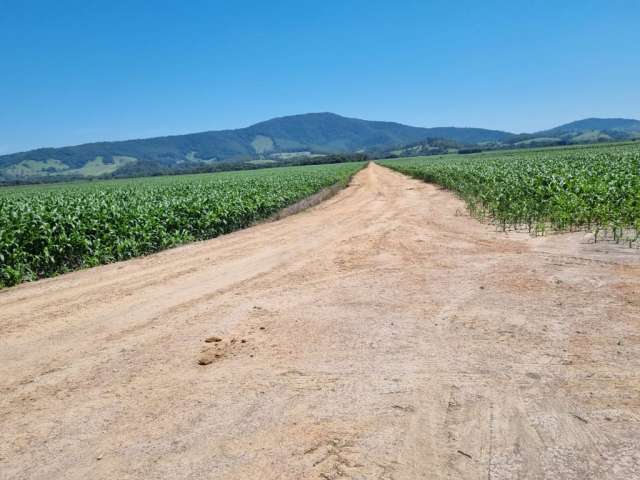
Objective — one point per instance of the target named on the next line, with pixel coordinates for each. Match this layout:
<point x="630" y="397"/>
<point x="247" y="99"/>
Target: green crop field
<point x="595" y="188"/>
<point x="51" y="229"/>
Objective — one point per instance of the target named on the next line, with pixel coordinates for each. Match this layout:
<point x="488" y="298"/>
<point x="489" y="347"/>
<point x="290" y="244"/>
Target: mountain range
<point x="279" y="139"/>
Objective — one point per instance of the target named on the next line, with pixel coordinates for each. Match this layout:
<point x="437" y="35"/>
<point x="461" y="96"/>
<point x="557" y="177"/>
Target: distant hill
<point x="589" y="130"/>
<point x="281" y="139"/>
<point x="308" y="134"/>
<point x="599" y="124"/>
<point x="431" y="146"/>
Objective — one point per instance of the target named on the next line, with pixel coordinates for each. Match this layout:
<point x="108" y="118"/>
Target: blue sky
<point x="79" y="71"/>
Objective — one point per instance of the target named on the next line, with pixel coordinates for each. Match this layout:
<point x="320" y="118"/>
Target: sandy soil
<point x="382" y="334"/>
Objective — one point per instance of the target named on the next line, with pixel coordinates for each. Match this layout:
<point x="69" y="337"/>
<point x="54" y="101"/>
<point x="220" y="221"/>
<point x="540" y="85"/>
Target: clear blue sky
<point x="79" y="71"/>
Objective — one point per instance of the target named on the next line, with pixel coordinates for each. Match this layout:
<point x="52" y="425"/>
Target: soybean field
<point x="48" y="230"/>
<point x="595" y="188"/>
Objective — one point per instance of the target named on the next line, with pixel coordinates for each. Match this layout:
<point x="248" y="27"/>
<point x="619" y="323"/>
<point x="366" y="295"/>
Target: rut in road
<point x="382" y="334"/>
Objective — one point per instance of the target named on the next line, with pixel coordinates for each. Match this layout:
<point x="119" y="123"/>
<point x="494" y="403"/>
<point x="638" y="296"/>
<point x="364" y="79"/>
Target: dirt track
<point x="386" y="336"/>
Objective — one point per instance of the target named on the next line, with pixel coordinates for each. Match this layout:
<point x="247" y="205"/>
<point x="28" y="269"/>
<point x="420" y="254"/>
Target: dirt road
<point x="382" y="334"/>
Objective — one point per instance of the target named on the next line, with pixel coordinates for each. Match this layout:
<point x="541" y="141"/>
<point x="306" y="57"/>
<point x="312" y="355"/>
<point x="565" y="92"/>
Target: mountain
<point x="280" y="139"/>
<point x="334" y="134"/>
<point x="595" y="124"/>
<point x="308" y="134"/>
<point x="588" y="130"/>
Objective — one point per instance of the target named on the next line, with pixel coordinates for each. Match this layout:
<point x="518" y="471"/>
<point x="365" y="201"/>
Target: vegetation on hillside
<point x="281" y="140"/>
<point x="154" y="169"/>
<point x="322" y="133"/>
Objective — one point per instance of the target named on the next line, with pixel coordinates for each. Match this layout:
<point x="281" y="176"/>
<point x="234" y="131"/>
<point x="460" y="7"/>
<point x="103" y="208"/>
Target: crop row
<point x="563" y="189"/>
<point x="49" y="230"/>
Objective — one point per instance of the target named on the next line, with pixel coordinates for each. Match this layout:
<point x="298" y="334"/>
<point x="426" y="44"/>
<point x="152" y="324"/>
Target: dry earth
<point x="382" y="334"/>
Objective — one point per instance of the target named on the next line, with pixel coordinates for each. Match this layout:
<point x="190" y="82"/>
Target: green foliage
<point x="585" y="188"/>
<point x="589" y="130"/>
<point x="323" y="133"/>
<point x="52" y="229"/>
<point x="275" y="139"/>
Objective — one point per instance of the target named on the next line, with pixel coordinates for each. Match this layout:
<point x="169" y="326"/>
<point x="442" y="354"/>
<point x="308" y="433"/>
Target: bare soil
<point x="382" y="334"/>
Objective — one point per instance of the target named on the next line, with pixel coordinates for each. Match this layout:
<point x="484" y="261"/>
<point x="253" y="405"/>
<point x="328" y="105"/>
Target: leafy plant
<point x="48" y="230"/>
<point x="562" y="189"/>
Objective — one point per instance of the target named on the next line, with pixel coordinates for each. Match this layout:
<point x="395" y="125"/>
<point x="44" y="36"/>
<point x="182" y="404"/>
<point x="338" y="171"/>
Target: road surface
<point x="382" y="334"/>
